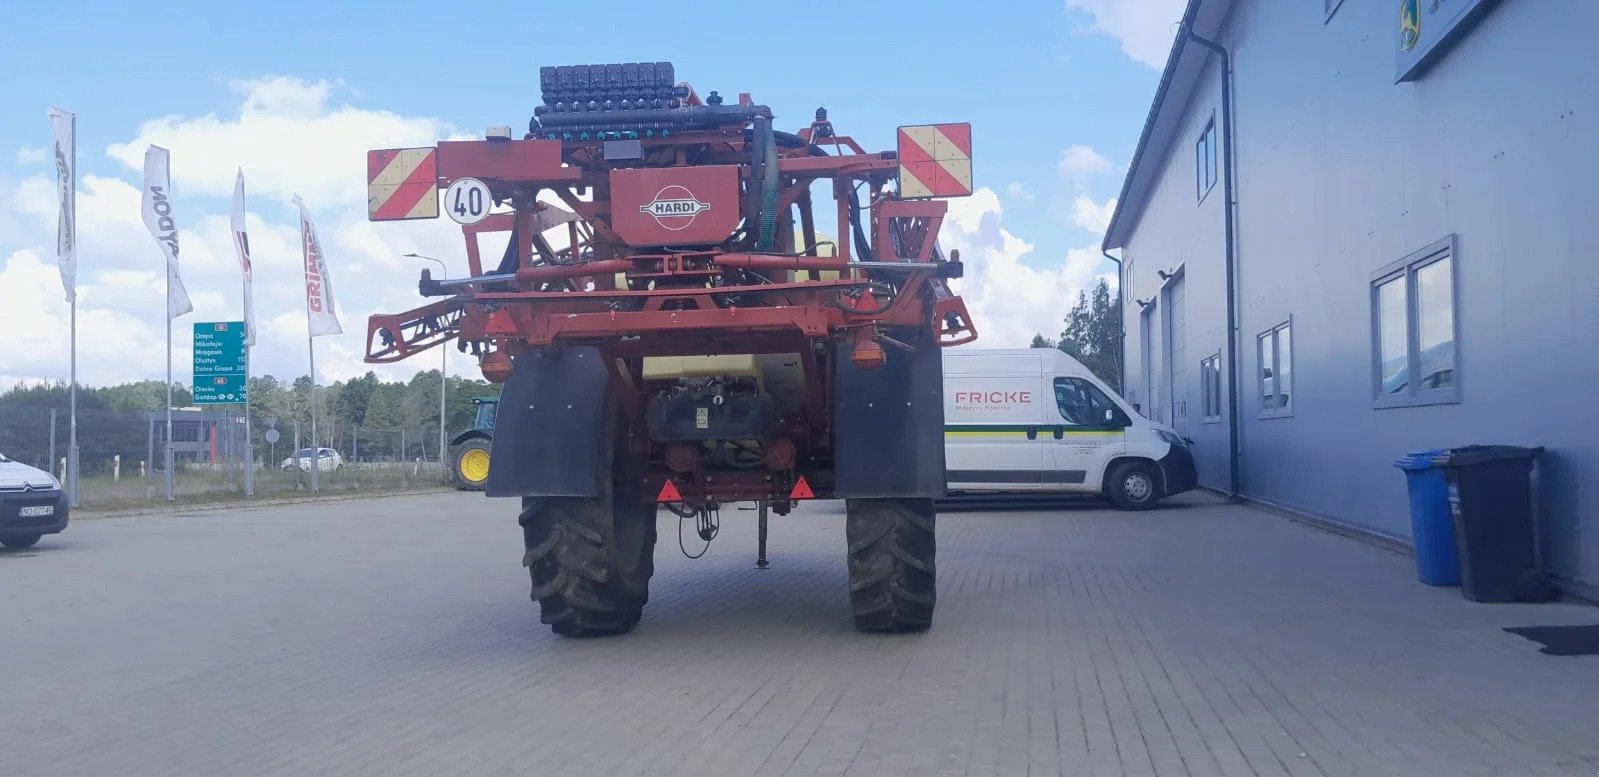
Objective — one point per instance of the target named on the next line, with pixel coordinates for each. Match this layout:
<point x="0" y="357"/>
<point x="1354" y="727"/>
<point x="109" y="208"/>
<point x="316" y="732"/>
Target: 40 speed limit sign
<point x="467" y="201"/>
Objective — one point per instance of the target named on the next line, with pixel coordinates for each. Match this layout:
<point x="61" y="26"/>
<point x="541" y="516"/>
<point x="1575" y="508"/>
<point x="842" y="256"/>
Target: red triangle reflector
<point x="802" y="490"/>
<point x="668" y="493"/>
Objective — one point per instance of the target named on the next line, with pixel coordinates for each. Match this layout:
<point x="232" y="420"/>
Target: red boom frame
<point x="634" y="302"/>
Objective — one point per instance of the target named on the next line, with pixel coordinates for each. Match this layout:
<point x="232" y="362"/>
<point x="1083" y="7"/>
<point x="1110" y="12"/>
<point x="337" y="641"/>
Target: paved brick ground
<point x="394" y="637"/>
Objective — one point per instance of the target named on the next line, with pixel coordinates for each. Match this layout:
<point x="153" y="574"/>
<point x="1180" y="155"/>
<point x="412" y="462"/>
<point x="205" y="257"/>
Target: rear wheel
<point x="20" y="541"/>
<point x="891" y="573"/>
<point x="471" y="468"/>
<point x="591" y="558"/>
<point x="1133" y="485"/>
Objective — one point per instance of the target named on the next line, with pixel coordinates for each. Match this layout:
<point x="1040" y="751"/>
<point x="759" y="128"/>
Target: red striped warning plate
<point x="402" y="184"/>
<point x="935" y="160"/>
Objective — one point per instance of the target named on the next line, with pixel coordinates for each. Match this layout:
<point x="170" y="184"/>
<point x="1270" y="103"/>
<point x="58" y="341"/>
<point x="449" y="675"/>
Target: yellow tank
<point x="742" y="365"/>
<point x="826" y="246"/>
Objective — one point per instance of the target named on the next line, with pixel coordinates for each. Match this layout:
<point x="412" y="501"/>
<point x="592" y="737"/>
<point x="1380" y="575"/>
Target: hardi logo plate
<point x="674" y="207"/>
<point x="677" y="207"/>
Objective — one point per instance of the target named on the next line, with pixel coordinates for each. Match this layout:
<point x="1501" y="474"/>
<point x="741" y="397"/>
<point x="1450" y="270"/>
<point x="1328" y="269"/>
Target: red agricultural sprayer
<point x="682" y="319"/>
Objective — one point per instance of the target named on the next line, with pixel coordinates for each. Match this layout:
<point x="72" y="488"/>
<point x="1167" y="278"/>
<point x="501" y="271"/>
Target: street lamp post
<point x="444" y="358"/>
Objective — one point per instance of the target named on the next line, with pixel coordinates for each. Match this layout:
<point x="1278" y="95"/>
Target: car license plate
<point x="36" y="510"/>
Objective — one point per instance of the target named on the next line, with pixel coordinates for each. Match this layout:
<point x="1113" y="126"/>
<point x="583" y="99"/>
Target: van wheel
<point x="1133" y="485"/>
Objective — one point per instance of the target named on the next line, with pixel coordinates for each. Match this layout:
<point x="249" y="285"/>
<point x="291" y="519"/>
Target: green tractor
<point x="469" y="451"/>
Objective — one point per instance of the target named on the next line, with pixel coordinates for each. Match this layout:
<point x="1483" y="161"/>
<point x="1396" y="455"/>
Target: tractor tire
<point x="891" y="573"/>
<point x="591" y="558"/>
<point x="646" y="516"/>
<point x="470" y="465"/>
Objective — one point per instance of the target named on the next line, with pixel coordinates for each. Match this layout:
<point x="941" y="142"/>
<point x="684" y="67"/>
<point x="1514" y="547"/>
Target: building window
<point x="1274" y="351"/>
<point x="1205" y="158"/>
<point x="1210" y="388"/>
<point x="1414" y="329"/>
<point x="1393" y="335"/>
<point x="1331" y="7"/>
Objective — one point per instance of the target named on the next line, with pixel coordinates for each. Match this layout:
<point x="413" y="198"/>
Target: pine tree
<point x="1092" y="334"/>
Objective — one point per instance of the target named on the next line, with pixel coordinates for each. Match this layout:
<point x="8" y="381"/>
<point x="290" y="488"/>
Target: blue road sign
<point x="219" y="389"/>
<point x="219" y="363"/>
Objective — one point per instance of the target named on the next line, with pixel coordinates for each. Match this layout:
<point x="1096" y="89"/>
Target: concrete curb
<point x="1570" y="589"/>
<point x="82" y="514"/>
<point x="1380" y="540"/>
<point x="1391" y="543"/>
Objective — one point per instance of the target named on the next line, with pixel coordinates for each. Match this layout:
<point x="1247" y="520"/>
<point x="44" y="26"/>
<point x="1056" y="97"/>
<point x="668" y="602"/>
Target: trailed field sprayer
<point x="675" y="329"/>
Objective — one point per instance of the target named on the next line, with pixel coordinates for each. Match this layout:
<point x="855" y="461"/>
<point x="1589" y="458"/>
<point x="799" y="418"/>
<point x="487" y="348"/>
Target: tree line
<point x="364" y="413"/>
<point x="1093" y="334"/>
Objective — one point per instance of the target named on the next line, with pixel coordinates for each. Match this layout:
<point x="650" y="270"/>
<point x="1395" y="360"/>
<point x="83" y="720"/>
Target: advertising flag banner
<point x="320" y="314"/>
<point x="65" y="126"/>
<point x="241" y="246"/>
<point x="158" y="219"/>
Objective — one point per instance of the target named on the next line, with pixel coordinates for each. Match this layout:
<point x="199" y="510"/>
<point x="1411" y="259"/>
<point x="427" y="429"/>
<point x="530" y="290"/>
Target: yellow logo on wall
<point x="1409" y="24"/>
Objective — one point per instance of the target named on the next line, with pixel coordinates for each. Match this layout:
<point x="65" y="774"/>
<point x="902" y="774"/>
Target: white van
<point x="1036" y="420"/>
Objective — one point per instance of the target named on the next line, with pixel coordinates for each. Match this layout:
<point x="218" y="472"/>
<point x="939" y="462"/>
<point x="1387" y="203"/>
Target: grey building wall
<point x="1189" y="235"/>
<point x="1342" y="172"/>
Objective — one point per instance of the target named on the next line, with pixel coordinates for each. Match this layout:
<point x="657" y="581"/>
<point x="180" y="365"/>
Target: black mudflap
<point x="548" y="426"/>
<point x="888" y="423"/>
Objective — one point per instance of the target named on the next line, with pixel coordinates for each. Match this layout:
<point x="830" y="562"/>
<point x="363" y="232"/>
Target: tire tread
<point x="893" y="577"/>
<point x="573" y="568"/>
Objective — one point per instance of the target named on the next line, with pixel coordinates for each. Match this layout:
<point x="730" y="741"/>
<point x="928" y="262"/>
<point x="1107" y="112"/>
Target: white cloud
<point x="1143" y="28"/>
<point x="1092" y="216"/>
<point x="1009" y="300"/>
<point x="32" y="155"/>
<point x="1080" y="162"/>
<point x="1017" y="191"/>
<point x="34" y="313"/>
<point x="290" y="136"/>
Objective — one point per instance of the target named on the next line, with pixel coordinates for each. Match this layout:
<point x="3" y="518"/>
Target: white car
<point x="328" y="460"/>
<point x="32" y="504"/>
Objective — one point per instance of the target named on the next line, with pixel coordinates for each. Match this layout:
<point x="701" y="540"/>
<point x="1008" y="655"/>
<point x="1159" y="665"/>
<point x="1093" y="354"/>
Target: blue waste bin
<point x="1432" y="524"/>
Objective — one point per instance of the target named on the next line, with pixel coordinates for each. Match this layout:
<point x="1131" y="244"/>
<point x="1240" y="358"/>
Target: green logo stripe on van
<point x="985" y="431"/>
<point x="1020" y="430"/>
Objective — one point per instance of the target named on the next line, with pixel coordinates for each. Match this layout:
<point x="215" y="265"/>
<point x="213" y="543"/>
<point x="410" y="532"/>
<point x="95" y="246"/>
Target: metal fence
<point x="121" y="455"/>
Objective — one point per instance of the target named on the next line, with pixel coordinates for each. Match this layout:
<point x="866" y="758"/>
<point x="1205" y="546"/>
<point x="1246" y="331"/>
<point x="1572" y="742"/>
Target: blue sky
<point x="220" y="83"/>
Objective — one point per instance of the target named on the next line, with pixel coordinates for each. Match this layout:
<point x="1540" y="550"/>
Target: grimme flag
<point x="158" y="219"/>
<point x="65" y="125"/>
<point x="319" y="312"/>
<point x="241" y="245"/>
